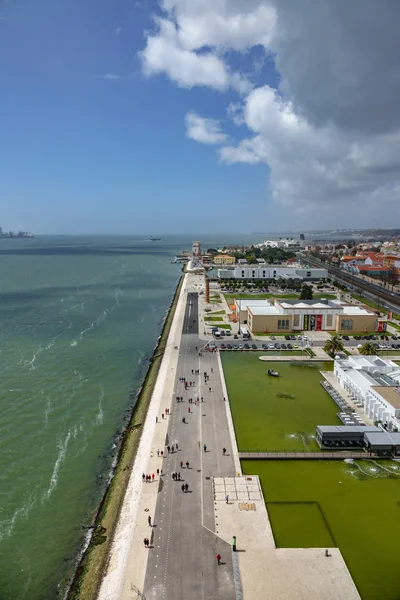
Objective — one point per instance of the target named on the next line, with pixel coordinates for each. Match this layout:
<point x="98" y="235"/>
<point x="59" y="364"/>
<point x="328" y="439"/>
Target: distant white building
<point x="270" y="272"/>
<point x="374" y="385"/>
<point x="288" y="243"/>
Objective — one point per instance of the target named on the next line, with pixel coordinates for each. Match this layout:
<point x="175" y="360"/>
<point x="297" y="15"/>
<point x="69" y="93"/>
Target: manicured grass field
<point x="325" y="503"/>
<point x="217" y="312"/>
<point x="265" y="421"/>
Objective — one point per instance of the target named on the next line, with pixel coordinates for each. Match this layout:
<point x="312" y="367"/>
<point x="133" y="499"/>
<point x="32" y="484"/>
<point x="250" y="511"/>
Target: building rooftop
<point x="356" y="311"/>
<point x="264" y="310"/>
<point x="244" y="304"/>
<point x="390" y="393"/>
<point x="347" y="428"/>
<point x="321" y="303"/>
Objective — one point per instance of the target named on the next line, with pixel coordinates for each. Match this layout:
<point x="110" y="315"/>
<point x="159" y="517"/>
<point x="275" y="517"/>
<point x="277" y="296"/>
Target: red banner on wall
<point x="319" y="323"/>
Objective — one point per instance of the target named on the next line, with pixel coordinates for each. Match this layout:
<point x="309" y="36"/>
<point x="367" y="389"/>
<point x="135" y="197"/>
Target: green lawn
<point x="330" y="503"/>
<point x="224" y="326"/>
<point x="217" y="312"/>
<point x="394" y="325"/>
<point x="265" y="421"/>
<point x="213" y="319"/>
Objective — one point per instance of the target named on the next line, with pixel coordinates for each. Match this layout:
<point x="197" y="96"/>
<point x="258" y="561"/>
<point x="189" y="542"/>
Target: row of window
<point x="283" y="323"/>
<point x="346" y="324"/>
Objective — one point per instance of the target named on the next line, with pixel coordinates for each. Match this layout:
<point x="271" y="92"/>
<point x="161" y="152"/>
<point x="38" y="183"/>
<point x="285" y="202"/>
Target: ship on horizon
<point x="154" y="239"/>
<point x="13" y="234"/>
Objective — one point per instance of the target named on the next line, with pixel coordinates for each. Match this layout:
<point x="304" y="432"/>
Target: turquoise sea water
<point x="79" y="318"/>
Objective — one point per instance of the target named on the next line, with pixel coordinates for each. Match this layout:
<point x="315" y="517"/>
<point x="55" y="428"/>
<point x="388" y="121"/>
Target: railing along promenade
<point x="339" y="455"/>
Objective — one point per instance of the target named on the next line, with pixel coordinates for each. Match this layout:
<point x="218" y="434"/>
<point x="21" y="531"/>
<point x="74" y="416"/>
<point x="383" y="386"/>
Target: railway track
<point x="373" y="289"/>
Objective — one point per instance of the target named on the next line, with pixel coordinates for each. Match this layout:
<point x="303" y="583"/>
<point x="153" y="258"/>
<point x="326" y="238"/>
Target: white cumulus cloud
<point x="330" y="133"/>
<point x="206" y="131"/>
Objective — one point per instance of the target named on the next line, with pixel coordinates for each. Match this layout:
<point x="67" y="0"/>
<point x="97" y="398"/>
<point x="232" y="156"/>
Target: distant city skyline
<point x="159" y="116"/>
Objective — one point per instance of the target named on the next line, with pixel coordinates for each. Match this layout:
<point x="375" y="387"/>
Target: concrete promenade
<point x="188" y="529"/>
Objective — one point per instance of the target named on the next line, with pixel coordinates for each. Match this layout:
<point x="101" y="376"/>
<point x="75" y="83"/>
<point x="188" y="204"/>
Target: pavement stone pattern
<point x="242" y="489"/>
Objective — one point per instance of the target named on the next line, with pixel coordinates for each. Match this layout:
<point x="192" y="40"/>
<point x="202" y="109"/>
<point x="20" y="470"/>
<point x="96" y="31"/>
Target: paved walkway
<point x="188" y="529"/>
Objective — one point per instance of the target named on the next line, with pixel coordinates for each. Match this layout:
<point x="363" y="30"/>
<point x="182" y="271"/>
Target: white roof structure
<point x="264" y="310"/>
<point x="356" y="311"/>
<point x="244" y="304"/>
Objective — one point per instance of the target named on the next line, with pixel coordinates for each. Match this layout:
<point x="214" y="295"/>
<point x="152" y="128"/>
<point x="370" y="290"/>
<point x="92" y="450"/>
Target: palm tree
<point x="334" y="345"/>
<point x="368" y="349"/>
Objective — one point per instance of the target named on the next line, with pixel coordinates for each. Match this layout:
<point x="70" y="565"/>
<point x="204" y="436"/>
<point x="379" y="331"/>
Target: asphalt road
<point x="182" y="561"/>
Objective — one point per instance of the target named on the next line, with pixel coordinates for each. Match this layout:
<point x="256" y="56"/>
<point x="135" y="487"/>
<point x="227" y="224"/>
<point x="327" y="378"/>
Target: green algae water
<point x="79" y="318"/>
<point x="264" y="419"/>
<point x="352" y="505"/>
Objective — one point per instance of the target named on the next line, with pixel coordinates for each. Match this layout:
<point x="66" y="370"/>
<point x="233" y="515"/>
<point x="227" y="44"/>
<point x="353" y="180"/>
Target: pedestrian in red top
<point x="218" y="557"/>
<point x="152" y="476"/>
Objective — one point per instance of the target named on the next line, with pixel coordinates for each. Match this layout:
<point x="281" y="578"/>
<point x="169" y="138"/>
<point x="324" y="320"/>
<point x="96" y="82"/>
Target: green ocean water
<point x="79" y="318"/>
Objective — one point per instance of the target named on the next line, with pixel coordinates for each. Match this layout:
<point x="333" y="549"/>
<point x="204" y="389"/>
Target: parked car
<point x="254" y="347"/>
<point x="240" y="346"/>
<point x="235" y="337"/>
<point x="235" y="346"/>
<point x="229" y="346"/>
<point x="246" y="347"/>
<point x="264" y="346"/>
<point x="272" y="337"/>
<point x="346" y="337"/>
<point x="222" y="347"/>
<point x="271" y="347"/>
<point x="228" y="332"/>
<point x="283" y="346"/>
<point x="287" y="337"/>
<point x="290" y="347"/>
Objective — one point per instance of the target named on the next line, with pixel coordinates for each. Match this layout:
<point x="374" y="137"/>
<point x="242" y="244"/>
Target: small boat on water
<point x="154" y="239"/>
<point x="273" y="373"/>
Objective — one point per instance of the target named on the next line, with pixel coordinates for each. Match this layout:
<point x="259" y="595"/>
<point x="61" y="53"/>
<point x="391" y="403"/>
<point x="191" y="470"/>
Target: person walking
<point x="181" y="463"/>
<point x="169" y="449"/>
<point x="223" y="451"/>
<point x="152" y="476"/>
<point x="186" y="487"/>
<point x="205" y="447"/>
<point x="234" y="543"/>
<point x="183" y="487"/>
<point x="149" y="520"/>
<point x="187" y="464"/>
<point x="227" y="499"/>
<point x="218" y="557"/>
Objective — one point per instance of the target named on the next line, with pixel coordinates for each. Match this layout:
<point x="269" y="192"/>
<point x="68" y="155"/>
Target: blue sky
<point x="88" y="154"/>
<point x="96" y="99"/>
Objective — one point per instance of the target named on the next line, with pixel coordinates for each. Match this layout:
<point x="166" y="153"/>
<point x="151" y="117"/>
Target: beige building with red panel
<point x="308" y="315"/>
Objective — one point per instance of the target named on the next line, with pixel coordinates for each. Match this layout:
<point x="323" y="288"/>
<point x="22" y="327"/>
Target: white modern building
<point x="281" y="243"/>
<point x="374" y="385"/>
<point x="270" y="272"/>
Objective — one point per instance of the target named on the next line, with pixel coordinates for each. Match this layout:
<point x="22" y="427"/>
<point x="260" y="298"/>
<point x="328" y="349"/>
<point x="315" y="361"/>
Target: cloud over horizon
<point x="330" y="134"/>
